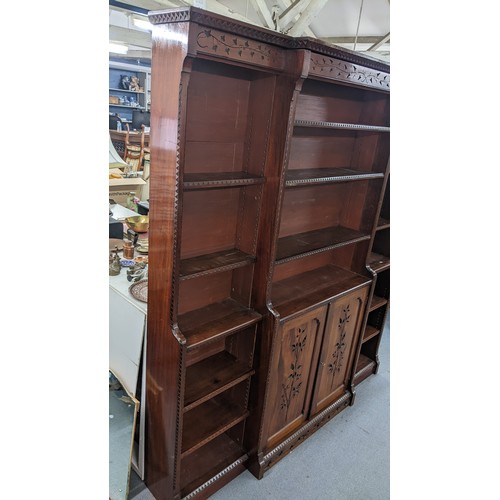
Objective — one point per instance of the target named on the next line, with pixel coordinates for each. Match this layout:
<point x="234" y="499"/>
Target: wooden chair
<point x="134" y="153"/>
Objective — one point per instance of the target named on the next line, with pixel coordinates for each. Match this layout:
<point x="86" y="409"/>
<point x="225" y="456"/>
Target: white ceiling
<point x="360" y="25"/>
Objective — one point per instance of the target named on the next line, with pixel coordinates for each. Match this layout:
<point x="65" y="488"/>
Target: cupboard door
<point x="337" y="353"/>
<point x="291" y="366"/>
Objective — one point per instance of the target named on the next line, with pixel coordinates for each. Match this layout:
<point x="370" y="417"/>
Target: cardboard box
<point x="119" y="189"/>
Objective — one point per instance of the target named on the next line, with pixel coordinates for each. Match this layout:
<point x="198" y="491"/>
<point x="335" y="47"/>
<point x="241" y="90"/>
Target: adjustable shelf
<point x="340" y="126"/>
<point x="127" y="91"/>
<point x="377" y="302"/>
<point x="216" y="262"/>
<point x="320" y="240"/>
<point x="209" y="420"/>
<point x="212" y="376"/>
<point x="370" y="332"/>
<point x="305" y="290"/>
<point x="205" y="463"/>
<point x="214" y="180"/>
<point x="306" y="177"/>
<point x="383" y="224"/>
<point x="215" y="322"/>
<point x="378" y="262"/>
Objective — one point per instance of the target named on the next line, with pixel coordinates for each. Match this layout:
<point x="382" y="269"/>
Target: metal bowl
<point x="138" y="223"/>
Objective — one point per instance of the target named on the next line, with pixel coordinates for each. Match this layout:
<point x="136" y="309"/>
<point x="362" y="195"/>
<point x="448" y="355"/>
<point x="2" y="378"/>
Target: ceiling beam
<point x="284" y="4"/>
<point x="381" y="42"/>
<point x="132" y="37"/>
<point x="264" y="13"/>
<point x="292" y="11"/>
<point x="307" y="16"/>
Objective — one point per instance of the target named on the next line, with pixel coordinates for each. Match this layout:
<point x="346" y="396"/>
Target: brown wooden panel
<point x="202" y="231"/>
<point x="211" y="376"/>
<point x="209" y="420"/>
<point x="313" y="287"/>
<point x="217" y="105"/>
<point x="291" y="366"/>
<point x="321" y="149"/>
<point x="337" y="352"/>
<point x="207" y="462"/>
<point x="202" y="291"/>
<point x="215" y="321"/>
<point x="208" y="157"/>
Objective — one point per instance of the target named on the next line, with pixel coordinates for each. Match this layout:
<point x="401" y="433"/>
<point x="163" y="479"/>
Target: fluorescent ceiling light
<point x="117" y="48"/>
<point x="143" y="24"/>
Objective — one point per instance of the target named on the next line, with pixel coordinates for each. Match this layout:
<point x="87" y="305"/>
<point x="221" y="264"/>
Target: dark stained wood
<point x="269" y="158"/>
<point x="300" y="245"/>
<point x="306" y="290"/>
<point x="364" y="368"/>
<point x="327" y="175"/>
<point x="378" y="262"/>
<point x="214" y="262"/>
<point x="205" y="463"/>
<point x="215" y="321"/>
<point x="338" y="350"/>
<point x="377" y="302"/>
<point x="211" y="376"/>
<point x="209" y="420"/>
<point x="382" y="224"/>
<point x="370" y="332"/>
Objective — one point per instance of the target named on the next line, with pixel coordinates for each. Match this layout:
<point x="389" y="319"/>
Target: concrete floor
<point x="347" y="459"/>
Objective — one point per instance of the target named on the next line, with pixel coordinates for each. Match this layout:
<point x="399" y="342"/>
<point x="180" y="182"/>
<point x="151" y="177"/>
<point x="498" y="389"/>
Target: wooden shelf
<point x="209" y="420"/>
<point x="378" y="262"/>
<point x="339" y="125"/>
<point x="377" y="302"/>
<point x="370" y="332"/>
<point x="215" y="321"/>
<point x="216" y="262"/>
<point x="308" y="289"/>
<point x="305" y="177"/>
<point x="212" y="376"/>
<point x="123" y="90"/>
<point x="215" y="180"/>
<point x="203" y="464"/>
<point x="383" y="224"/>
<point x="364" y="368"/>
<point x="128" y="107"/>
<point x="311" y="242"/>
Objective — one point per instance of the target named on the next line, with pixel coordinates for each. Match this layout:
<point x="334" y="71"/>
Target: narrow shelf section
<point x="209" y="420"/>
<point x="364" y="368"/>
<point x="382" y="224"/>
<point x="203" y="464"/>
<point x="370" y="332"/>
<point x="311" y="288"/>
<point x="340" y="125"/>
<point x="377" y="302"/>
<point x="378" y="262"/>
<point x="213" y="180"/>
<point x="216" y="262"/>
<point x="213" y="375"/>
<point x="215" y="321"/>
<point x="305" y="177"/>
<point x="311" y="242"/>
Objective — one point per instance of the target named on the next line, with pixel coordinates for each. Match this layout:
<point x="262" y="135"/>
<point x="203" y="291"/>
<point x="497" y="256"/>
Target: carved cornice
<point x="228" y="25"/>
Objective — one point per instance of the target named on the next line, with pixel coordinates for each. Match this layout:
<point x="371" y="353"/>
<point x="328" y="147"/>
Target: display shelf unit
<point x="379" y="263"/>
<point x="267" y="174"/>
<point x="125" y="108"/>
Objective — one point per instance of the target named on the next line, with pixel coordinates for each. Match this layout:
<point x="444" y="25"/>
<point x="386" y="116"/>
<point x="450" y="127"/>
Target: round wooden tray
<point x="115" y="242"/>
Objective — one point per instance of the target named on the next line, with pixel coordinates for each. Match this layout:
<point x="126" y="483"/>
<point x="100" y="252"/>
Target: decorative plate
<point x="139" y="290"/>
<point x="127" y="262"/>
